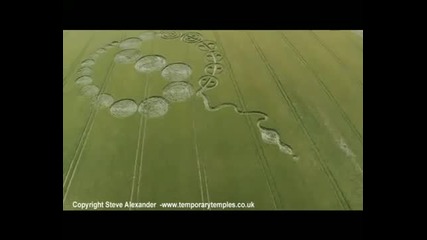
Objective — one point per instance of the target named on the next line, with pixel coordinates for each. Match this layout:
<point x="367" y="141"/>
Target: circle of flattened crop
<point x="192" y="37"/>
<point x="103" y="101"/>
<point x="207" y="45"/>
<point x="208" y="81"/>
<point x="84" y="71"/>
<point x="128" y="56"/>
<point x="178" y="91"/>
<point x="176" y="72"/>
<point x="90" y="90"/>
<point x="88" y="63"/>
<point x="123" y="108"/>
<point x="84" y="80"/>
<point x="130" y="43"/>
<point x="154" y="107"/>
<point x="213" y="57"/>
<point x="214" y="68"/>
<point x="101" y="51"/>
<point x="150" y="63"/>
<point x="169" y="34"/>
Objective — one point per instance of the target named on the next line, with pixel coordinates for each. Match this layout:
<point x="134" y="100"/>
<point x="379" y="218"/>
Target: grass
<point x="309" y="83"/>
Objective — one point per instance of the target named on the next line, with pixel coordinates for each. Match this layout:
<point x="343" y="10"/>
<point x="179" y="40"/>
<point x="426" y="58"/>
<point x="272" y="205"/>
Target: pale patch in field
<point x="84" y="80"/>
<point x="103" y="101"/>
<point x="178" y="91"/>
<point x="150" y="63"/>
<point x="286" y="149"/>
<point x="154" y="107"/>
<point x="123" y="108"/>
<point x="130" y="43"/>
<point x="176" y="72"/>
<point x="90" y="90"/>
<point x="343" y="145"/>
<point x="128" y="56"/>
<point x="270" y="136"/>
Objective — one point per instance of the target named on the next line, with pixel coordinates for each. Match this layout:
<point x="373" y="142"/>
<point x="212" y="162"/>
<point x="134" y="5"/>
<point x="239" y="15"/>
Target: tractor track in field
<point x="142" y="151"/>
<point x="142" y="128"/>
<point x="141" y="157"/>
<point x="84" y="135"/>
<point x="200" y="164"/>
<point x="338" y="59"/>
<point x="77" y="61"/>
<point x="92" y="121"/>
<point x="325" y="168"/>
<point x="198" y="160"/>
<point x="261" y="155"/>
<point x="324" y="88"/>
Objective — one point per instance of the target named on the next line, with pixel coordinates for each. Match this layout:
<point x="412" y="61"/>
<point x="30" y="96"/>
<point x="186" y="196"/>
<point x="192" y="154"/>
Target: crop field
<point x="262" y="120"/>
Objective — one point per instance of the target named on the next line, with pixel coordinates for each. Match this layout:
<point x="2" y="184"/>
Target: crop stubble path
<point x="262" y="159"/>
<point x="85" y="135"/>
<point x="342" y="199"/>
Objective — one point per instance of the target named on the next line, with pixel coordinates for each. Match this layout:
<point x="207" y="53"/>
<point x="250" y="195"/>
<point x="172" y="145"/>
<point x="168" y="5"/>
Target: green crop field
<point x="264" y="120"/>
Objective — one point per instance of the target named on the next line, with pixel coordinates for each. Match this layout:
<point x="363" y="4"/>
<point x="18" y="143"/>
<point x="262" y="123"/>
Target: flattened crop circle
<point x="214" y="68"/>
<point x="207" y="45"/>
<point x="147" y="36"/>
<point x="130" y="43"/>
<point x="128" y="56"/>
<point x="169" y="34"/>
<point x="178" y="91"/>
<point x="90" y="90"/>
<point x="150" y="63"/>
<point x="123" y="108"/>
<point x="154" y="107"/>
<point x="88" y="63"/>
<point x="192" y="37"/>
<point x="208" y="81"/>
<point x="213" y="57"/>
<point x="104" y="101"/>
<point x="176" y="72"/>
<point x="84" y="80"/>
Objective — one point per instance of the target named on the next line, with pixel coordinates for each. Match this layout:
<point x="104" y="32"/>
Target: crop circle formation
<point x="176" y="75"/>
